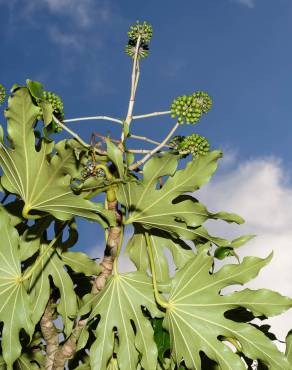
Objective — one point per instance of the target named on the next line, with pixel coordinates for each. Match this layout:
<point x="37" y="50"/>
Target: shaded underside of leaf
<point x="195" y="318"/>
<point x="43" y="184"/>
<point x="119" y="306"/>
<point x="39" y="288"/>
<point x="15" y="307"/>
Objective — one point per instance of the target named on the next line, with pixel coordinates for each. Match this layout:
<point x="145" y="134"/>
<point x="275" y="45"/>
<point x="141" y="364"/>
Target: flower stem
<point x="94" y="118"/>
<point x="155" y="150"/>
<point x="154" y="114"/>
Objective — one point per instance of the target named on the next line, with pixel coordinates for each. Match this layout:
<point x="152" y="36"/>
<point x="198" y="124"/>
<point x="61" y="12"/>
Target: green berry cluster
<point x="56" y="103"/>
<point x="130" y="50"/>
<point x="190" y="108"/>
<point x="2" y="94"/>
<point x="144" y="30"/>
<point x="194" y="144"/>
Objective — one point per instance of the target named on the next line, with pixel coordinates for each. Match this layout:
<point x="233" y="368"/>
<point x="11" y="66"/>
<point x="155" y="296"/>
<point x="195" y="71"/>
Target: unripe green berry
<point x="194" y="144"/>
<point x="189" y="109"/>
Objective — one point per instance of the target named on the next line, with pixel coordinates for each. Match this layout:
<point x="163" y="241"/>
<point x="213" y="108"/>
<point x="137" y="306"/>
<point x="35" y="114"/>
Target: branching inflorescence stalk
<point x="134" y="85"/>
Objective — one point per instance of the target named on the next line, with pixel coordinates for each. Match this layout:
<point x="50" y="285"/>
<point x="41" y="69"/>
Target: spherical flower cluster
<point x="189" y="108"/>
<point x="203" y="100"/>
<point x="56" y="103"/>
<point x="194" y="144"/>
<point x="143" y="50"/>
<point x="144" y="30"/>
<point x="2" y="94"/>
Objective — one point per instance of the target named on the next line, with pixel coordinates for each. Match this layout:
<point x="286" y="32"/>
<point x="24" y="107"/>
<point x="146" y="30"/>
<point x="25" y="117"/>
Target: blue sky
<point x="237" y="50"/>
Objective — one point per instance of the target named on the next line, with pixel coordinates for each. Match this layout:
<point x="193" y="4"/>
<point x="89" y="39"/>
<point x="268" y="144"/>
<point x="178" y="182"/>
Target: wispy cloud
<point x="69" y="22"/>
<point x="64" y="39"/>
<point x="84" y="13"/>
<point x="248" y="3"/>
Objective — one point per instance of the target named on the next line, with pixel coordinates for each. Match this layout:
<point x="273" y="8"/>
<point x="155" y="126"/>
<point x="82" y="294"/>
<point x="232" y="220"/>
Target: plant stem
<point x="76" y="136"/>
<point x="154" y="114"/>
<point x="158" y="298"/>
<point x="155" y="150"/>
<point x="134" y="84"/>
<point x="115" y="266"/>
<point x="50" y="335"/>
<point x="148" y="140"/>
<point x="72" y="133"/>
<point x="68" y="349"/>
<point x="94" y="118"/>
<point x="30" y="272"/>
<point x="138" y="151"/>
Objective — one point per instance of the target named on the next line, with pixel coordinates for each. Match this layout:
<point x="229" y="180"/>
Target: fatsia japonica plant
<point x="60" y="308"/>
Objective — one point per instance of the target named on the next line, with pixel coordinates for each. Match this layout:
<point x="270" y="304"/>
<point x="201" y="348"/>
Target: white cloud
<point x="248" y="3"/>
<point x="259" y="191"/>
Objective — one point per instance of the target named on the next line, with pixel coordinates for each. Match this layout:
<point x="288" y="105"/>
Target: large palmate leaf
<point x="39" y="287"/>
<point x="80" y="262"/>
<point x="120" y="307"/>
<point x="288" y="351"/>
<point x="137" y="250"/>
<point x="15" y="306"/>
<point x="42" y="184"/>
<point x="167" y="208"/>
<point x="195" y="317"/>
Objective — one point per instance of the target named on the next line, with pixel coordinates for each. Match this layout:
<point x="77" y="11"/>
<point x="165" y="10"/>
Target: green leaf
<point x="15" y="306"/>
<point x="288" y="351"/>
<point x="137" y="250"/>
<point x="39" y="288"/>
<point x="162" y="339"/>
<point x="223" y="252"/>
<point x="228" y="217"/>
<point x="47" y="110"/>
<point x="42" y="183"/>
<point x="195" y="317"/>
<point x="80" y="262"/>
<point x="35" y="88"/>
<point x="119" y="305"/>
<point x="24" y="362"/>
<point x="238" y="242"/>
<point x="167" y="208"/>
<point x="116" y="155"/>
<point x="30" y="240"/>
